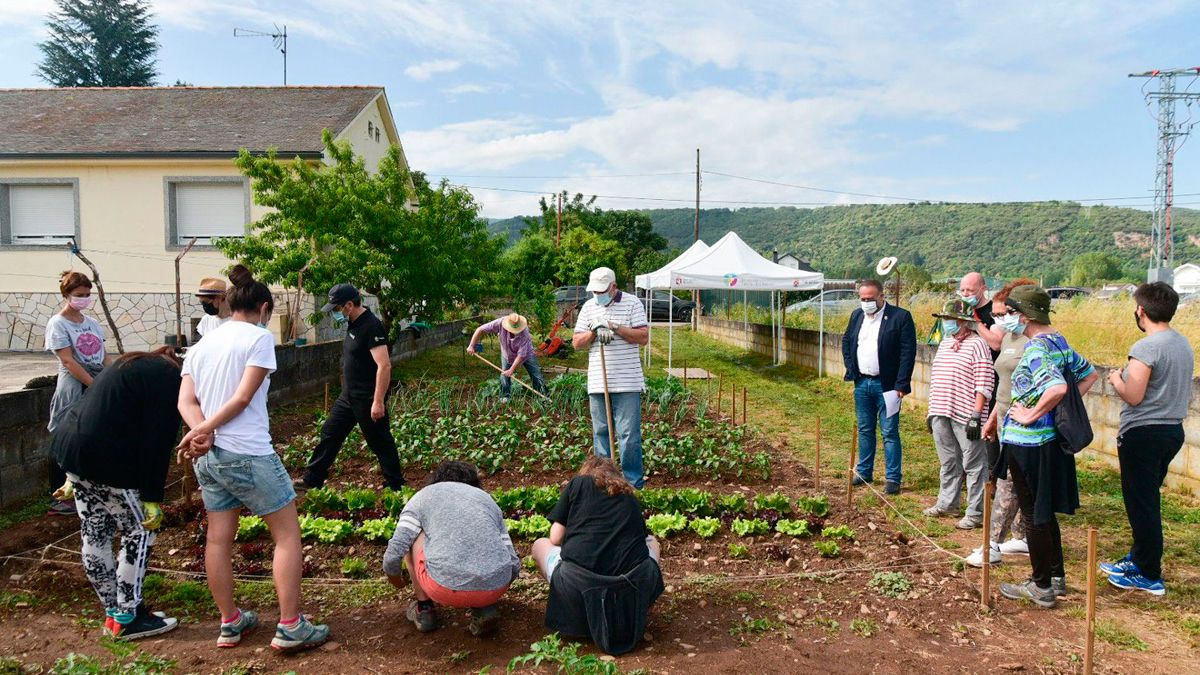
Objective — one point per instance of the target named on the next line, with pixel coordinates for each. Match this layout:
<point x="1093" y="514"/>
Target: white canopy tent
<point x="661" y="278"/>
<point x="730" y="264"/>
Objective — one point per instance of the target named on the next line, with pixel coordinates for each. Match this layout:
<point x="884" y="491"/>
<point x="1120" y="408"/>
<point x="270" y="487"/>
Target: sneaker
<point x="1042" y="597"/>
<point x="484" y="621"/>
<point x="425" y="619"/>
<point x="859" y="480"/>
<point x="1123" y="566"/>
<point x="60" y="508"/>
<point x="969" y="523"/>
<point x="1059" y="585"/>
<point x="231" y="633"/>
<point x="300" y="486"/>
<point x="1014" y="547"/>
<point x="304" y="635"/>
<point x="1137" y="582"/>
<point x="144" y="624"/>
<point x="976" y="557"/>
<point x="891" y="487"/>
<point x="504" y="400"/>
<point x="936" y="511"/>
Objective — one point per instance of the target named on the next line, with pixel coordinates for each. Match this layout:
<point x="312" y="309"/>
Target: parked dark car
<point x="1066" y="292"/>
<point x="663" y="305"/>
<point x="573" y="294"/>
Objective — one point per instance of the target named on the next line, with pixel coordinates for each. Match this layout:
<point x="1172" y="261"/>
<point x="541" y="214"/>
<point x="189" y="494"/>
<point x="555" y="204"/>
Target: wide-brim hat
<point x="211" y="286"/>
<point x="514" y="323"/>
<point x="885" y="266"/>
<point x="956" y="309"/>
<point x="1032" y="301"/>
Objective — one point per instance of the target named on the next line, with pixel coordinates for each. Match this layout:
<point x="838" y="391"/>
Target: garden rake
<point x="514" y="378"/>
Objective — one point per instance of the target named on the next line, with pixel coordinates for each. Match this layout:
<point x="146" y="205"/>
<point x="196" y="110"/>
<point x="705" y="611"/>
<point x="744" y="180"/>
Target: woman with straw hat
<point x="516" y="349"/>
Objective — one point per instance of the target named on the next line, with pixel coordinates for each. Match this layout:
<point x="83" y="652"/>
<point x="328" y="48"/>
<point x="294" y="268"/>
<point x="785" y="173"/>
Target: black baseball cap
<point x="340" y="295"/>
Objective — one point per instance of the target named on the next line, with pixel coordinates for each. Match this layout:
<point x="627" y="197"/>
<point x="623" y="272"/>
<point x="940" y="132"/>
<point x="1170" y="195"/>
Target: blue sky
<point x="977" y="101"/>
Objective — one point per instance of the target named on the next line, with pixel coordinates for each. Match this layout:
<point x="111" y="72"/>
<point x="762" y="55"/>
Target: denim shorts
<point x="229" y="480"/>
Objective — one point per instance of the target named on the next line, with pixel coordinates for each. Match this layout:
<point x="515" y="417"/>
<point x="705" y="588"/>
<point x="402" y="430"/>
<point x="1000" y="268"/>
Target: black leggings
<point x="1044" y="539"/>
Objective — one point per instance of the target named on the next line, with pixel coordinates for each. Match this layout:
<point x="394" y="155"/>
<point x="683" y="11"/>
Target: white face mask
<point x="1011" y="323"/>
<point x="869" y="307"/>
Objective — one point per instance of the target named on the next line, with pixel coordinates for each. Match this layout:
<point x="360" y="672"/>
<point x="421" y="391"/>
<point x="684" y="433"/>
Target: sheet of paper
<point x="892" y="401"/>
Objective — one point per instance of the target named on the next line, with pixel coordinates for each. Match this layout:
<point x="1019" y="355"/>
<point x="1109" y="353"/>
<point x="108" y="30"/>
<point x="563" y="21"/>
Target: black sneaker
<point x="484" y="621"/>
<point x="144" y="624"/>
<point x="858" y="480"/>
<point x="301" y="486"/>
<point x="891" y="488"/>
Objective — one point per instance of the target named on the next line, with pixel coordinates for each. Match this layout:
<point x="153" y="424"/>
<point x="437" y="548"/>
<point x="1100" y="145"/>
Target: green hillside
<point x="1001" y="240"/>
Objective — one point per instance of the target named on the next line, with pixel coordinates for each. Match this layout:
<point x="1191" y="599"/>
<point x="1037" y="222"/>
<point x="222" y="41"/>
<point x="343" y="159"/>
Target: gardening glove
<point x="65" y="493"/>
<point x="974" y="428"/>
<point x="604" y="334"/>
<point x="154" y="515"/>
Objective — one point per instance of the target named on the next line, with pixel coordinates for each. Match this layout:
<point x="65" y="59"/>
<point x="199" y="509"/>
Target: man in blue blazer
<point x="879" y="348"/>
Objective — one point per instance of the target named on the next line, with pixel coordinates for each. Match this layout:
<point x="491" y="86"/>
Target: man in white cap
<point x="617" y="321"/>
<point x="211" y="295"/>
<point x="516" y="349"/>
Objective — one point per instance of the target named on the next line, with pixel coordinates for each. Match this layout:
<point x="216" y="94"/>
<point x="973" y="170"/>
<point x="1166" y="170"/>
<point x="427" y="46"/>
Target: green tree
<point x="583" y="250"/>
<point x="530" y="267"/>
<point x="99" y="43"/>
<point x="1091" y="269"/>
<point x="913" y="278"/>
<point x="365" y="229"/>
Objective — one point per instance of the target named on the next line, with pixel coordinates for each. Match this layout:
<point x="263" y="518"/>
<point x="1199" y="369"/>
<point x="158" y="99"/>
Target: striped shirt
<point x="622" y="357"/>
<point x="961" y="369"/>
<point x="1041" y="367"/>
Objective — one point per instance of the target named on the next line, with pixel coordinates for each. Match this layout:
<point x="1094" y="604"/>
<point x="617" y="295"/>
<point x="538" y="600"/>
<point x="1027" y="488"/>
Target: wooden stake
<point x="850" y="478"/>
<point x="326" y="398"/>
<point x="743" y="405"/>
<point x="818" y="464"/>
<point x="985" y="593"/>
<point x="720" y="392"/>
<point x="1089" y="650"/>
<point x="685" y="373"/>
<point x="733" y="404"/>
<point x="74" y="248"/>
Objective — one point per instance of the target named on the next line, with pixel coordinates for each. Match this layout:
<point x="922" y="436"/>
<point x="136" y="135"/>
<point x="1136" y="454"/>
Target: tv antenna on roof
<point x="279" y="36"/>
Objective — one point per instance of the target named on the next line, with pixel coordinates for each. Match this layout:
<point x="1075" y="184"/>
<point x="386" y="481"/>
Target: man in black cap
<point x="366" y="374"/>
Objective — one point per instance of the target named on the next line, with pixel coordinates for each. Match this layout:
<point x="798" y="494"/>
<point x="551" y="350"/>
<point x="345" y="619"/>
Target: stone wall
<point x="801" y="347"/>
<point x="300" y="372"/>
<point x="144" y="319"/>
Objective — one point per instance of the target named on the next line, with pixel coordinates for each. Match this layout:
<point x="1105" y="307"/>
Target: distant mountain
<point x="1001" y="240"/>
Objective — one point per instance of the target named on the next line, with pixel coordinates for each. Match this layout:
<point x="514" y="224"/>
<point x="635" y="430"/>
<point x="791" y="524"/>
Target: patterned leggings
<point x="103" y="512"/>
<point x="1006" y="513"/>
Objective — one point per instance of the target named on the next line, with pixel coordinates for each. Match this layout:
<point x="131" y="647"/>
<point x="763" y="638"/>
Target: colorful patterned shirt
<point x="1041" y="367"/>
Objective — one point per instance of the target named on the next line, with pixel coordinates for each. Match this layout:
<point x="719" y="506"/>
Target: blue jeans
<point x="627" y="417"/>
<point x="531" y="367"/>
<point x="871" y="410"/>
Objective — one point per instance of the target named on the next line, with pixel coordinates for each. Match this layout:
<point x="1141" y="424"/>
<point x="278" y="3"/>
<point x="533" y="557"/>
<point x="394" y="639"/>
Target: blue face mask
<point x="261" y="325"/>
<point x="339" y="319"/>
<point x="603" y="299"/>
<point x="1011" y="323"/>
<point x="969" y="299"/>
<point x="949" y="327"/>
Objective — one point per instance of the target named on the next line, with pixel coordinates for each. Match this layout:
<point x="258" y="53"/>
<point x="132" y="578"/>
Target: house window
<point x="37" y="214"/>
<point x="207" y="210"/>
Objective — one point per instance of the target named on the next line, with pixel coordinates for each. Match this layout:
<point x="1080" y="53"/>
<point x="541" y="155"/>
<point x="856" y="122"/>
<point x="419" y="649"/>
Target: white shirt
<point x="868" y="343"/>
<point x="622" y="357"/>
<point x="216" y="365"/>
<point x="210" y="322"/>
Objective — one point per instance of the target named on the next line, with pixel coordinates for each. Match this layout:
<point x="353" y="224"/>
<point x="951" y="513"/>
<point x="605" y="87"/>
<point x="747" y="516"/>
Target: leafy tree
<point x="99" y="43"/>
<point x="364" y="229"/>
<point x="913" y="278"/>
<point x="1093" y="268"/>
<point x="583" y="250"/>
<point x="530" y="267"/>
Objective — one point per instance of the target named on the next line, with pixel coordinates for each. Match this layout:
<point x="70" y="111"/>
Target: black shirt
<point x="122" y="432"/>
<point x="604" y="534"/>
<point x="358" y="366"/>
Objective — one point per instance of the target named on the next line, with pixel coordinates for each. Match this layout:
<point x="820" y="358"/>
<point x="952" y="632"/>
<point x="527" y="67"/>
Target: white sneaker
<point x="1015" y="547"/>
<point x="976" y="557"/>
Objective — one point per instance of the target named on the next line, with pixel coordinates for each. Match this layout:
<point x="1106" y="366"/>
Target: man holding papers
<point x="879" y="348"/>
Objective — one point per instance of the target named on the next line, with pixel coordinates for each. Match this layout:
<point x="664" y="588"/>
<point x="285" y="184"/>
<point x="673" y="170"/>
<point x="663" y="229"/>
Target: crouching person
<point x="602" y="566"/>
<point x="115" y="445"/>
<point x="452" y="539"/>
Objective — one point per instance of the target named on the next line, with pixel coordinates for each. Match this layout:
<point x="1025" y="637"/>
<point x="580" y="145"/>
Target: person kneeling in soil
<point x="115" y="445"/>
<point x="602" y="567"/>
<point x="452" y="539"/>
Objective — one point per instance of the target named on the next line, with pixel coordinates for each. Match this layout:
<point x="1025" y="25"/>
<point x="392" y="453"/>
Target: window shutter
<point x="42" y="214"/>
<point x="208" y="210"/>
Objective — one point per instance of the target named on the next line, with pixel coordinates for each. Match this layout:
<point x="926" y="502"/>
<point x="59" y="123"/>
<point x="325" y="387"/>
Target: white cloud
<point x="472" y="88"/>
<point x="427" y="69"/>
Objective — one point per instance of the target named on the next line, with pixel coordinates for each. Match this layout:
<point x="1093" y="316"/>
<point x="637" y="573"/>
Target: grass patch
<point x="10" y="599"/>
<point x="181" y="598"/>
<point x="1110" y="632"/>
<point x="22" y="513"/>
<point x="865" y="627"/>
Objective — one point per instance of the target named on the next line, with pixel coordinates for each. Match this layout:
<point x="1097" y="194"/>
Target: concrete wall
<point x="801" y="347"/>
<point x="301" y="372"/>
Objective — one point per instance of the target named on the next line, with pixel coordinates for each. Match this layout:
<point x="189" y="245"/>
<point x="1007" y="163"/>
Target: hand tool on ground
<point x="514" y="378"/>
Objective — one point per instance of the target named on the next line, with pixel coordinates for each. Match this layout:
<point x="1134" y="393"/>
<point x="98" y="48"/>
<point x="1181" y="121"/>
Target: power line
<point x="576" y="176"/>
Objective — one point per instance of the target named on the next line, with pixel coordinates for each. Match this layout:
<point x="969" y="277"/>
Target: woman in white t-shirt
<point x="223" y="400"/>
<point x="78" y="342"/>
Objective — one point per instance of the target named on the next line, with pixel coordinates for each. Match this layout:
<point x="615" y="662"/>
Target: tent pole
<point x="772" y="305"/>
<point x="746" y="319"/>
<point x="821" y="349"/>
<point x="671" y="329"/>
<point x="649" y="324"/>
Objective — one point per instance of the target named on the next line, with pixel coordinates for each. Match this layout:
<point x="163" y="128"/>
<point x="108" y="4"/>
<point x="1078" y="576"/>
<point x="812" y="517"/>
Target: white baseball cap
<point x="601" y="279"/>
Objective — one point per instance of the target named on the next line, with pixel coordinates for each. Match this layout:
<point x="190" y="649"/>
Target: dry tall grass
<point x="1101" y="330"/>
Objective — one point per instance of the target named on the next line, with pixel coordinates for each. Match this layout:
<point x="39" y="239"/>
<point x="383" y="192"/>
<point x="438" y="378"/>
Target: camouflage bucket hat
<point x="956" y="309"/>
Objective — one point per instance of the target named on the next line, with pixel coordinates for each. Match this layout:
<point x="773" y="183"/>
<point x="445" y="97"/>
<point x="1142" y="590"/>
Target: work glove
<point x="154" y="515"/>
<point x="604" y="334"/>
<point x="974" y="428"/>
<point x="65" y="493"/>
